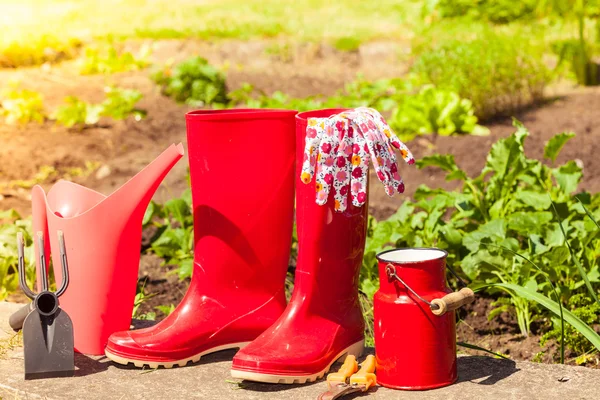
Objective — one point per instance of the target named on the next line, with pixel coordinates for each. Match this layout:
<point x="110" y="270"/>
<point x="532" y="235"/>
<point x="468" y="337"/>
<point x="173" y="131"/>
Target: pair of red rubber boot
<point x="244" y="164"/>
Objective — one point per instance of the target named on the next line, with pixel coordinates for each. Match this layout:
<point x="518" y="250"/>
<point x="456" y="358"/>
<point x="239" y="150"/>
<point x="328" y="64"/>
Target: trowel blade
<point x="49" y="345"/>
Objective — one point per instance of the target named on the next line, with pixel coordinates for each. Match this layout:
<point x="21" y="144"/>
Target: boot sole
<point x="356" y="350"/>
<point x="181" y="363"/>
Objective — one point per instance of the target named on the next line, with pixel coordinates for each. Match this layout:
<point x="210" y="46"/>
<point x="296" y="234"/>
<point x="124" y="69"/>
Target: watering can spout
<point x="131" y="199"/>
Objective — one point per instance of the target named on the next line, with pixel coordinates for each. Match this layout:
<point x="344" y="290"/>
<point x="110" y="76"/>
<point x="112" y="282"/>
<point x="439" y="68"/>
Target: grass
<point x="67" y="23"/>
<point x="9" y="343"/>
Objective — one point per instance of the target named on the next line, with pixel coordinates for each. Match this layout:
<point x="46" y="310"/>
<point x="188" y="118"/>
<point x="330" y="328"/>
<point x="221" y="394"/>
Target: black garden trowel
<point x="47" y="329"/>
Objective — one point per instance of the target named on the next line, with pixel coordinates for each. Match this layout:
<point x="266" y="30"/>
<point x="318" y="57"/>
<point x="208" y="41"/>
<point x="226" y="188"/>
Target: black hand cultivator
<point x="47" y="329"/>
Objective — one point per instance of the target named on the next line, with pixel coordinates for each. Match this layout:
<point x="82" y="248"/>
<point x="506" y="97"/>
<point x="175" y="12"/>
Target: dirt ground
<point x="122" y="148"/>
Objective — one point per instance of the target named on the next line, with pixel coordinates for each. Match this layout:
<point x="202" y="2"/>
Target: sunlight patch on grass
<point x="36" y="31"/>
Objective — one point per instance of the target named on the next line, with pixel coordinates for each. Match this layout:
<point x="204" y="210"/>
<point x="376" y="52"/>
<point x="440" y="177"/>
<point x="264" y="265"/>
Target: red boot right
<point x="323" y="321"/>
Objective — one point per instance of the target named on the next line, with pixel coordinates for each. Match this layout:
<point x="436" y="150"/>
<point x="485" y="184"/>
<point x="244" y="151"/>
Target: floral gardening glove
<point x="338" y="150"/>
<point x="381" y="142"/>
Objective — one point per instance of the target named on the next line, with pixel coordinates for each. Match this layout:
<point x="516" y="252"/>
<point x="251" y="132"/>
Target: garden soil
<point x="116" y="150"/>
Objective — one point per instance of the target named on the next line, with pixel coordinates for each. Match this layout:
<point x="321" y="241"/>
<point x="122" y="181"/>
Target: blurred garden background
<point x="498" y="100"/>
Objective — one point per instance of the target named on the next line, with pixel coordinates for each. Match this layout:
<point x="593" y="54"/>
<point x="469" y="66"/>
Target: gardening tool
<point x="242" y="177"/>
<point x="415" y="336"/>
<point x="47" y="329"/>
<point x="347" y="380"/>
<point x="104" y="238"/>
<point x="323" y="320"/>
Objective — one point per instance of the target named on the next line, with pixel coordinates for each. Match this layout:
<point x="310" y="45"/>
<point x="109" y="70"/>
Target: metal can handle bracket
<point x="450" y="302"/>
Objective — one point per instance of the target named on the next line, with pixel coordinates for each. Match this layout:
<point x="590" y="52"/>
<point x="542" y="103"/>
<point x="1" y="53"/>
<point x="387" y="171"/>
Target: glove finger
<point x="360" y="169"/>
<point x="343" y="169"/>
<point x="314" y="134"/>
<point x="325" y="162"/>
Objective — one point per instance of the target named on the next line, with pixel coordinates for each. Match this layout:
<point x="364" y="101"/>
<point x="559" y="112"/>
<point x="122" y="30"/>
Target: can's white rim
<point x="412" y="255"/>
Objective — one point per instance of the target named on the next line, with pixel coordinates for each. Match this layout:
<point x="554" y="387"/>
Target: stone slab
<point x="480" y="377"/>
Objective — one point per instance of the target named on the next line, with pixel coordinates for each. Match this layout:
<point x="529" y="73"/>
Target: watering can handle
<point x="452" y="301"/>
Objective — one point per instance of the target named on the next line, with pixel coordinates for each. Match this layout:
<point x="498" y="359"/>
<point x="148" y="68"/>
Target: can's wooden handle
<point x="452" y="301"/>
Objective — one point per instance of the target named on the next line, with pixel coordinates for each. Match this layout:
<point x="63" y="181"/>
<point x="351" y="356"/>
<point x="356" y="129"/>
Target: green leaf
<point x="494" y="229"/>
<point x="555" y="145"/>
<point x="381" y="236"/>
<point x="575" y="259"/>
<point x="479" y="130"/>
<point x="536" y="200"/>
<point x="452" y="236"/>
<point x="568" y="176"/>
<point x="9" y="214"/>
<point x="403" y="213"/>
<point x="179" y="209"/>
<point x="552" y="306"/>
<point x="553" y="236"/>
<point x="529" y="222"/>
<point x="589" y="214"/>
<point x="505" y="152"/>
<point x="166" y="309"/>
<point x="186" y="268"/>
<point x="445" y="162"/>
<point x="368" y="287"/>
<point x="474" y="347"/>
<point x="149" y="213"/>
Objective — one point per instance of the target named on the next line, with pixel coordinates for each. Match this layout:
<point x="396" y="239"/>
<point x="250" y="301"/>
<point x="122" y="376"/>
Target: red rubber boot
<point x="323" y="321"/>
<point x="242" y="174"/>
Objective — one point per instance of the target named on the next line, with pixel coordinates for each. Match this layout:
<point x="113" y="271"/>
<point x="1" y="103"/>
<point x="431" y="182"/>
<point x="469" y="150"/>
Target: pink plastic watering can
<point x="102" y="235"/>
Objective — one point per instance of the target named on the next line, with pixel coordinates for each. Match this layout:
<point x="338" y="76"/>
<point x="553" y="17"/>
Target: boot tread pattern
<point x="356" y="350"/>
<point x="169" y="365"/>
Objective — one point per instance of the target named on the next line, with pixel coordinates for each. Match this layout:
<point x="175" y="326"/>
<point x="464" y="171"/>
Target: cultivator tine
<point x="22" y="275"/>
<point x="63" y="261"/>
<point x="43" y="271"/>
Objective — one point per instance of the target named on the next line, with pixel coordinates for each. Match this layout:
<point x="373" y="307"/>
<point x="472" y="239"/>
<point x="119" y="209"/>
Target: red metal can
<point x="415" y="348"/>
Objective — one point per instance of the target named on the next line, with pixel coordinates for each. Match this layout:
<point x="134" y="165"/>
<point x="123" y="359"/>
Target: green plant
<point x="496" y="11"/>
<point x="383" y="94"/>
<point x="193" y="81"/>
<point x="283" y="52"/>
<point x="175" y="236"/>
<point x="497" y="73"/>
<point x="119" y="104"/>
<point x="588" y="312"/>
<point x="10" y="224"/>
<point x="437" y="111"/>
<point x="22" y="106"/>
<point x="587" y="331"/>
<point x="27" y="50"/>
<point x="575" y="53"/>
<point x="140" y="297"/>
<point x="109" y="60"/>
<point x="166" y="310"/>
<point x="42" y="175"/>
<point x="77" y="112"/>
<point x="500" y="229"/>
<point x="347" y="44"/>
<point x="578" y="51"/>
<point x="430" y="110"/>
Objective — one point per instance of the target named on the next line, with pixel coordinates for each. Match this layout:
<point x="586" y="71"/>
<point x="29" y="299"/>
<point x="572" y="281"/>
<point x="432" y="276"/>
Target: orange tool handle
<point x="365" y="376"/>
<point x="349" y="367"/>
